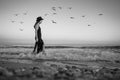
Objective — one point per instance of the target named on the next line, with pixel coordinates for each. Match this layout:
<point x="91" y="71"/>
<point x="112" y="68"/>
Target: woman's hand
<point x="36" y="39"/>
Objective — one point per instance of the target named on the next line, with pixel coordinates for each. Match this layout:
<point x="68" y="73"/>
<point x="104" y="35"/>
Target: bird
<point x="25" y="13"/>
<point x="100" y="14"/>
<point x="83" y="16"/>
<point x="20" y="29"/>
<point x="54" y="13"/>
<point x="45" y="14"/>
<point x="72" y="17"/>
<point x="70" y="8"/>
<point x="54" y="21"/>
<point x="12" y="21"/>
<point x="60" y="7"/>
<point x="16" y="14"/>
<point x="21" y="22"/>
<point x="89" y="25"/>
<point x="53" y="8"/>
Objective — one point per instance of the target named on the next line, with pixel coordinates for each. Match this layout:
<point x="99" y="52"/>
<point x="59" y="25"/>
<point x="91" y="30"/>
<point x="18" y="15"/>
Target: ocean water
<point x="69" y="52"/>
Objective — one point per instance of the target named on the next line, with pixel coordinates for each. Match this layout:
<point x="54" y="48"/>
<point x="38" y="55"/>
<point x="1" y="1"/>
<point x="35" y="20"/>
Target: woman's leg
<point x="35" y="47"/>
<point x="43" y="52"/>
<point x="39" y="48"/>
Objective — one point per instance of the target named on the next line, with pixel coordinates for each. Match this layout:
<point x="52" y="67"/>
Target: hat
<point x="39" y="18"/>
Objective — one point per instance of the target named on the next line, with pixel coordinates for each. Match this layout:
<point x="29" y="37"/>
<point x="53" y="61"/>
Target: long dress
<point x="40" y="43"/>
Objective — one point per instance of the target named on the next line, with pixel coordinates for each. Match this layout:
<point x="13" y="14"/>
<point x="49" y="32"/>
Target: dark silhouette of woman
<point x="39" y="44"/>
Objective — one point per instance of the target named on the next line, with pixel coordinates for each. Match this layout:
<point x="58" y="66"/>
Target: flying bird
<point x="89" y="25"/>
<point x="53" y="8"/>
<point x="45" y="14"/>
<point x="72" y="17"/>
<point x="83" y="16"/>
<point x="54" y="22"/>
<point x="60" y="7"/>
<point x="21" y="22"/>
<point x="70" y="8"/>
<point x="12" y="21"/>
<point x="25" y="13"/>
<point x="20" y="29"/>
<point x="100" y="14"/>
<point x="54" y="13"/>
<point x="16" y="14"/>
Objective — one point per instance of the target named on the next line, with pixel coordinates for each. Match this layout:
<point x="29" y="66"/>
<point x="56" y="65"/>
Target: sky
<point x="76" y="21"/>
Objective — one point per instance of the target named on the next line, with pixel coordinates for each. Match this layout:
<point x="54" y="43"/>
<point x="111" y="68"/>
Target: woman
<point x="39" y="44"/>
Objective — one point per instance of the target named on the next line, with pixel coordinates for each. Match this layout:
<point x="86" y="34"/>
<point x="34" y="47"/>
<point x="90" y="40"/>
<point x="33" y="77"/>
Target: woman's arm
<point x="36" y="34"/>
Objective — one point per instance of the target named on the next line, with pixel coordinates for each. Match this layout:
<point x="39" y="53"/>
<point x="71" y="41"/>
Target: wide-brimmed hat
<point x="39" y="18"/>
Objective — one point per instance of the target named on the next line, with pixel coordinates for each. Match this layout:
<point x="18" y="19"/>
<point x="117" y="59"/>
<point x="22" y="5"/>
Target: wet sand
<point x="52" y="67"/>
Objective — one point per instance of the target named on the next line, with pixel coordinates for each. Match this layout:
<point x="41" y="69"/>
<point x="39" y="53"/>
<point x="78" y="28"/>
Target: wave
<point x="61" y="46"/>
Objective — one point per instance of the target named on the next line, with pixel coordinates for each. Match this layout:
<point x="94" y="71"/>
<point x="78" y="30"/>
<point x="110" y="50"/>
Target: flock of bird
<point x="70" y="8"/>
<point x="54" y="13"/>
<point x="21" y="22"/>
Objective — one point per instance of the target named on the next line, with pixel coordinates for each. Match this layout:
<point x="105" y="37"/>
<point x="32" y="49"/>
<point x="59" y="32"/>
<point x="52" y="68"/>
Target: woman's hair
<point x="39" y="19"/>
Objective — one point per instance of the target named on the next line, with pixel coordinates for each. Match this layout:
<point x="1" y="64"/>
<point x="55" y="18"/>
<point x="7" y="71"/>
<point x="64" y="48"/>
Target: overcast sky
<point x="93" y="21"/>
